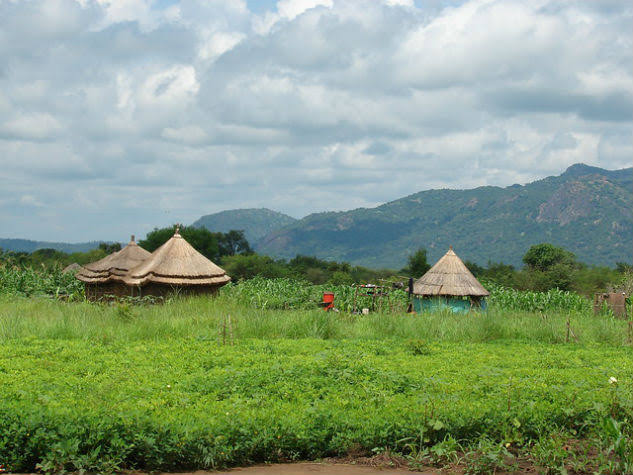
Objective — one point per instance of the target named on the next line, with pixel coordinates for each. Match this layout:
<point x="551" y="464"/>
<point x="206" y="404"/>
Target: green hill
<point x="256" y="223"/>
<point x="27" y="245"/>
<point x="586" y="209"/>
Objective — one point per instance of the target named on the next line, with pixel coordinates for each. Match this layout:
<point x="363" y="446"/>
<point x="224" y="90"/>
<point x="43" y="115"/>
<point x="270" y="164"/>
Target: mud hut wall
<point x="106" y="291"/>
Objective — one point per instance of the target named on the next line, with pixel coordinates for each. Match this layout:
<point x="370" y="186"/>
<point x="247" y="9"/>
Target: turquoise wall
<point x="454" y="304"/>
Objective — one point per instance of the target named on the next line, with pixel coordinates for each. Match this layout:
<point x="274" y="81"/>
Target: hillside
<point x="256" y="223"/>
<point x="27" y="245"/>
<point x="586" y="209"/>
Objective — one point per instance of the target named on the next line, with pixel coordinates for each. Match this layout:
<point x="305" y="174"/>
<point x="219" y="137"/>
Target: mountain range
<point x="256" y="223"/>
<point x="27" y="245"/>
<point x="587" y="210"/>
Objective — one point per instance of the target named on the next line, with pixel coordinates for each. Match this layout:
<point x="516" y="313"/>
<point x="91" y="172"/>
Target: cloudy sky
<point x="120" y="115"/>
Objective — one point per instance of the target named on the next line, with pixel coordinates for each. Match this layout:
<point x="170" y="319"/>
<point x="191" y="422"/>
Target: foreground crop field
<point x="108" y="387"/>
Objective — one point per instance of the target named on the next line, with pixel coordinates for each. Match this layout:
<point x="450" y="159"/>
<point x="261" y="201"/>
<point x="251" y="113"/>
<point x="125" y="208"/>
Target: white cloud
<point x="36" y="126"/>
<point x="189" y="135"/>
<point x="290" y="9"/>
<point x="287" y="10"/>
<point x="218" y="44"/>
<point x="147" y="113"/>
<point x="171" y="87"/>
<point x="402" y="3"/>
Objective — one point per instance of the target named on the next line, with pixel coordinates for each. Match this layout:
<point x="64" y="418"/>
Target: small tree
<point x="232" y="243"/>
<point x="545" y="256"/>
<point x="109" y="248"/>
<point x="417" y="264"/>
<point x="549" y="267"/>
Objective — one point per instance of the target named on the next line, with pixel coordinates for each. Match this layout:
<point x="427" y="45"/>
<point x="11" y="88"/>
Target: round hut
<point x="448" y="285"/>
<point x="176" y="267"/>
<point x="104" y="277"/>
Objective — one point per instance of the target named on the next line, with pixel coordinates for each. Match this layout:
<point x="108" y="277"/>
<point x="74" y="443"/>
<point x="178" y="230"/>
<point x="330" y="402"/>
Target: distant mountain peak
<point x="255" y="222"/>
<point x="581" y="169"/>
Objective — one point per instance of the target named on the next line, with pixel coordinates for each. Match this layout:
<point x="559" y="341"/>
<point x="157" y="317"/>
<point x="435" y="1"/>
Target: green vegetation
<point x="295" y="293"/>
<point x="177" y="387"/>
<point x="153" y="388"/>
<point x="554" y="299"/>
<point x="199" y="318"/>
<point x="417" y="264"/>
<point x="546" y="266"/>
<point x="551" y="267"/>
<point x="51" y="258"/>
<point x="25" y="281"/>
<point x="311" y="269"/>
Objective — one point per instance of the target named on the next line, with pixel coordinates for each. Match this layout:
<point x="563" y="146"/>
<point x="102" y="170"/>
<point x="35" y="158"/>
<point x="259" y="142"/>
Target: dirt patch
<point x="316" y="468"/>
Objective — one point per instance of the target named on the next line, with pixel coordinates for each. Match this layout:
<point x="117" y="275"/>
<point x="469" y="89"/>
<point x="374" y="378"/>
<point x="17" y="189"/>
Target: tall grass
<point x="202" y="318"/>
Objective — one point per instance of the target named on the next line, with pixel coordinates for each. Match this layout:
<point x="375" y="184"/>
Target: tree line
<point x="545" y="266"/>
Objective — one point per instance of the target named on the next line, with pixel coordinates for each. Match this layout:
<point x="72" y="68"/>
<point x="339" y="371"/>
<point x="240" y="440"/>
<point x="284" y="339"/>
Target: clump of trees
<point x="548" y="267"/>
<point x="310" y="268"/>
<point x="48" y="258"/>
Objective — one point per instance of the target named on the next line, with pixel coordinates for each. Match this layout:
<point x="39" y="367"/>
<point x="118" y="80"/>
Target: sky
<point x="118" y="116"/>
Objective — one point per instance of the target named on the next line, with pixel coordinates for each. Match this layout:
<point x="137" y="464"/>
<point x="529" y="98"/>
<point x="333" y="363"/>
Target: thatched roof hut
<point x="176" y="265"/>
<point x="449" y="276"/>
<point x="114" y="266"/>
<point x="449" y="283"/>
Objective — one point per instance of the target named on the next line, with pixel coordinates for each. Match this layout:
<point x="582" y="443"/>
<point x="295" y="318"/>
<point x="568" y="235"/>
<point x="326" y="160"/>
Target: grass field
<point x="106" y="387"/>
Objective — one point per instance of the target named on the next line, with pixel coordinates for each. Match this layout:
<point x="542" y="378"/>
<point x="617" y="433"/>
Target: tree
<point x="232" y="243"/>
<point x="549" y="267"/>
<point x="110" y="248"/>
<point x="417" y="264"/>
<point x="247" y="266"/>
<point x="545" y="256"/>
<point x="47" y="257"/>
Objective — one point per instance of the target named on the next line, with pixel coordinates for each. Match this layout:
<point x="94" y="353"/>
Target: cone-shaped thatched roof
<point x="114" y="266"/>
<point x="449" y="276"/>
<point x="177" y="263"/>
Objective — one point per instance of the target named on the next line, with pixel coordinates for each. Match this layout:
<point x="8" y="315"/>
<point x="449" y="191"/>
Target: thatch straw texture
<point x="74" y="267"/>
<point x="177" y="263"/>
<point x="449" y="276"/>
<point x="114" y="266"/>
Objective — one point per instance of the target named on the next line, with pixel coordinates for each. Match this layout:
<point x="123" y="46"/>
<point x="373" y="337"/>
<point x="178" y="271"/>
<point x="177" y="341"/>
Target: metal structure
<point x="376" y="292"/>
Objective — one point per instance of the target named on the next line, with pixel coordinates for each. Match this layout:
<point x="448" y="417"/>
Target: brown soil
<point x="311" y="468"/>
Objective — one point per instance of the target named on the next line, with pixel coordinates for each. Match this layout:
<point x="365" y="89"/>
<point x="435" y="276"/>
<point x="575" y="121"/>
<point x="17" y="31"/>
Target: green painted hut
<point x="449" y="285"/>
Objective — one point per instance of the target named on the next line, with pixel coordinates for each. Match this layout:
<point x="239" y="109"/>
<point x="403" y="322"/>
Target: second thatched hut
<point x="104" y="278"/>
<point x="176" y="267"/>
<point x="449" y="285"/>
